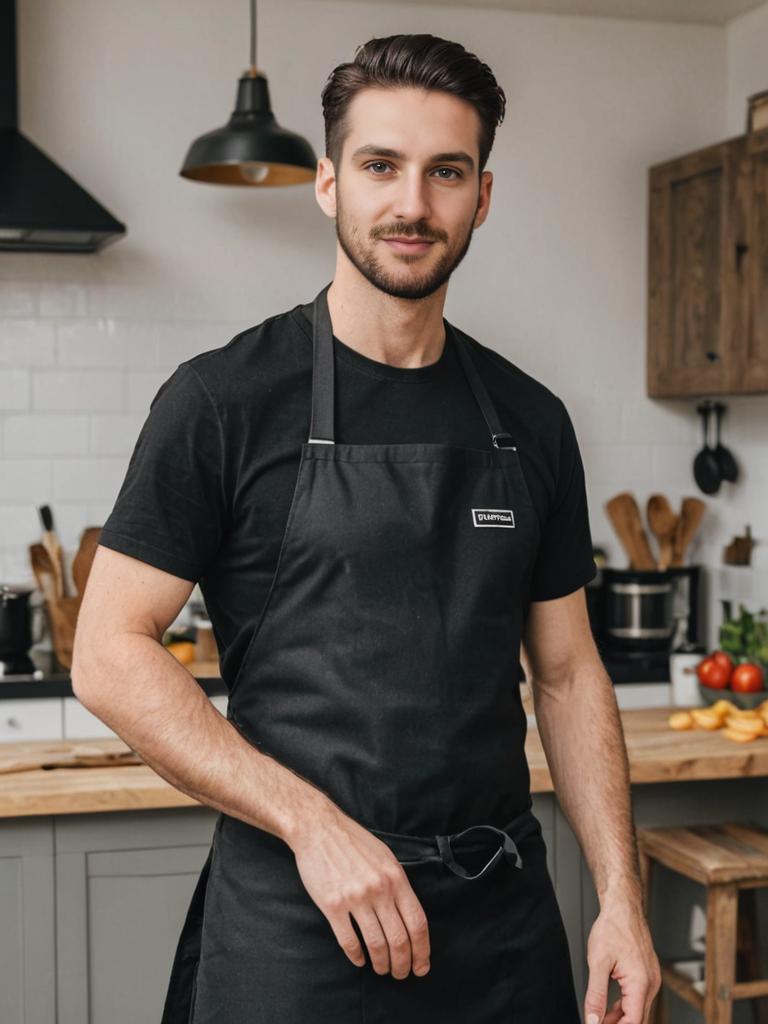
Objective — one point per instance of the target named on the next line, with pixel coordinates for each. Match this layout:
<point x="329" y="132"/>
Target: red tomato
<point x="712" y="673"/>
<point x="723" y="659"/>
<point x="747" y="678"/>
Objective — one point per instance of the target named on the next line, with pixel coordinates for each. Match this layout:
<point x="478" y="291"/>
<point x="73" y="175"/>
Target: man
<point x="379" y="510"/>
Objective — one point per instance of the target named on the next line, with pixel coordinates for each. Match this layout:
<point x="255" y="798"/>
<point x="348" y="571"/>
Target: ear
<point x="325" y="186"/>
<point x="484" y="198"/>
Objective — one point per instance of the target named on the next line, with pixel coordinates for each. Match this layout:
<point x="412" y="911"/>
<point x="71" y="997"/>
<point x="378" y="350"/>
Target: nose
<point x="412" y="199"/>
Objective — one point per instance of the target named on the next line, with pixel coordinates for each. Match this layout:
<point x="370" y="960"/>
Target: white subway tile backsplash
<point x="80" y="390"/>
<point x="672" y="466"/>
<point x="624" y="463"/>
<point x="142" y="386"/>
<point x="18" y="298"/>
<point x="180" y="341"/>
<point x="116" y="434"/>
<point x="25" y="479"/>
<point x="15" y="389"/>
<point x="46" y="434"/>
<point x="106" y="342"/>
<point x="63" y="299"/>
<point x="86" y="479"/>
<point x="27" y="342"/>
<point x="647" y="421"/>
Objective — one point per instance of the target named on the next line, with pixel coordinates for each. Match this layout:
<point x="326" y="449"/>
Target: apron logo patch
<point x="493" y="517"/>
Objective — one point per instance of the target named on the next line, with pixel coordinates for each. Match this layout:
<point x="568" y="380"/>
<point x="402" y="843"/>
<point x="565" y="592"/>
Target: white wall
<point x="556" y="278"/>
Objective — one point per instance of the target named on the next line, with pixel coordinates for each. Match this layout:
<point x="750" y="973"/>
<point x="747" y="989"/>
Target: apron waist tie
<point x="441" y="848"/>
<point x="507" y="849"/>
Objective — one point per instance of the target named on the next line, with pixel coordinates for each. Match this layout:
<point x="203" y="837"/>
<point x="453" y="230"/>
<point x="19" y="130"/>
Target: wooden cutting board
<point x="107" y="753"/>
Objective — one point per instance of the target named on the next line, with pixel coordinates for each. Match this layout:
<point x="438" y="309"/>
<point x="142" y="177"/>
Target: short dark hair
<point x="417" y="61"/>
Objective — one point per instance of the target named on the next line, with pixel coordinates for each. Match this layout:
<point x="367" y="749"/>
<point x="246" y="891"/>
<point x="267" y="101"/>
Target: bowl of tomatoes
<point x="742" y="679"/>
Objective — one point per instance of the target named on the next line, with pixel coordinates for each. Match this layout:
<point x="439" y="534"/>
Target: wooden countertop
<point x="656" y="754"/>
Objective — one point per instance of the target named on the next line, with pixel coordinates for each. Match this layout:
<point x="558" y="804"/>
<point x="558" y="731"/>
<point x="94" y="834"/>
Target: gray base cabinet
<point x="27" y="947"/>
<point x="123" y="885"/>
<point x="92" y="905"/>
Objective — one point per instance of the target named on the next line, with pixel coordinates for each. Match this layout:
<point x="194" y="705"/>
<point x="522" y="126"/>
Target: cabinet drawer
<point x="38" y="718"/>
<point x="82" y="724"/>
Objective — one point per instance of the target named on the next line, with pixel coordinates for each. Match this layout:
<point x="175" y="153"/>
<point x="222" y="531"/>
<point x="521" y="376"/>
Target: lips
<point x="408" y="244"/>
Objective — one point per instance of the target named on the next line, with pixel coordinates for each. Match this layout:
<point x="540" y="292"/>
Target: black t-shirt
<point x="210" y="480"/>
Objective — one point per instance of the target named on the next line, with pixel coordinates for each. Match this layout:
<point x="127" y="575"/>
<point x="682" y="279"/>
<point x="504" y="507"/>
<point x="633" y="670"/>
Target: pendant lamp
<point x="252" y="149"/>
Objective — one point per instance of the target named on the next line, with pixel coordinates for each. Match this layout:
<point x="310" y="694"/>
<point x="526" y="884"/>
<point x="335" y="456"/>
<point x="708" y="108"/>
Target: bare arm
<point x="580" y="727"/>
<point x="123" y="674"/>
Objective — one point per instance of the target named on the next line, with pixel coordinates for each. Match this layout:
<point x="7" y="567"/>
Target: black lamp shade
<point x="252" y="149"/>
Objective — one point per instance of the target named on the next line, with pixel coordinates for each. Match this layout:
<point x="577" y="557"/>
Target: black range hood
<point x="42" y="209"/>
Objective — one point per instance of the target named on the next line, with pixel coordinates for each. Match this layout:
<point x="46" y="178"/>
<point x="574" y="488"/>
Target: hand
<point x="620" y="947"/>
<point x="347" y="870"/>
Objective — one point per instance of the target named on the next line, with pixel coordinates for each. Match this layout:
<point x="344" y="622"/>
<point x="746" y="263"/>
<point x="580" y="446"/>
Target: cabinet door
<point x="27" y="956"/>
<point x="753" y="340"/>
<point x="693" y="285"/>
<point x="123" y="886"/>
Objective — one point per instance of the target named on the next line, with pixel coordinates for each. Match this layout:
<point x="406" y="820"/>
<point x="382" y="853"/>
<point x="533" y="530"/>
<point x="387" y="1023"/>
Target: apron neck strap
<point x="321" y="430"/>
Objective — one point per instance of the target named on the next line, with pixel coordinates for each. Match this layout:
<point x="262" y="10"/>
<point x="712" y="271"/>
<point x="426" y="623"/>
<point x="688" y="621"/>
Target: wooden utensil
<point x="663" y="523"/>
<point x="42" y="567"/>
<point x="81" y="564"/>
<point x="53" y="547"/>
<point x="62" y="611"/>
<point x="624" y="514"/>
<point x="691" y="512"/>
<point x="65" y="755"/>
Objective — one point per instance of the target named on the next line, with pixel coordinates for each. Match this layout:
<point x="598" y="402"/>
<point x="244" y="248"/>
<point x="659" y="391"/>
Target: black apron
<point x="384" y="670"/>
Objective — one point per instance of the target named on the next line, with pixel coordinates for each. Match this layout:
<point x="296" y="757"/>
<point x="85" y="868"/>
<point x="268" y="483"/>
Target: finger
<point x="397" y="937"/>
<point x="373" y="936"/>
<point x="614" y="1014"/>
<point x="346" y="936"/>
<point x="633" y="1006"/>
<point x="415" y="920"/>
<point x="597" y="992"/>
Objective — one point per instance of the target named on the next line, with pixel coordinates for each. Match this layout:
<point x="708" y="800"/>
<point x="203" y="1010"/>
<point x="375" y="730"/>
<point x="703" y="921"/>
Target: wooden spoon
<point x="624" y="514"/>
<point x="663" y="523"/>
<point x="81" y="564"/>
<point x="691" y="512"/>
<point x="45" y="573"/>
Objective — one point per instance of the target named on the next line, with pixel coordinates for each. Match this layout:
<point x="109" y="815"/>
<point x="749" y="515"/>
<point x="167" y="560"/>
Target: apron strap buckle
<point x="505" y="436"/>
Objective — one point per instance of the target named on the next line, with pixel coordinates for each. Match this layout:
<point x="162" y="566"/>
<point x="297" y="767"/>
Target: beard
<point x="414" y="286"/>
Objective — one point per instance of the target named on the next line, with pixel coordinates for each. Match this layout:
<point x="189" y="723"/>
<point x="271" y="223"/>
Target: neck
<point x="400" y="332"/>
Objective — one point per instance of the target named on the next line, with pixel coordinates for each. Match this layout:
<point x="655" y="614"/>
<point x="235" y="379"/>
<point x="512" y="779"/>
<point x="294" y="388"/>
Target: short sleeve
<point x="170" y="510"/>
<point x="564" y="561"/>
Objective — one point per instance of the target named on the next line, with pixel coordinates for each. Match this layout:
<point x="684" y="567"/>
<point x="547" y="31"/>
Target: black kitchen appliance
<point x="15" y="631"/>
<point x="639" y="616"/>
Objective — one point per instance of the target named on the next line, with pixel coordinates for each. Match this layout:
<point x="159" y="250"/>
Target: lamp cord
<point x="253" y="33"/>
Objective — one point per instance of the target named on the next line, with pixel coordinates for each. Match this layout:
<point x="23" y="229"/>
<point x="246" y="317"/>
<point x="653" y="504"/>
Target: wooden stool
<point x="726" y="859"/>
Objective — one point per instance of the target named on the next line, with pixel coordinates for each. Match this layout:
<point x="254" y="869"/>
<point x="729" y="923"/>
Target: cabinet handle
<point x="12" y="722"/>
<point x="741" y="251"/>
<point x="713" y="357"/>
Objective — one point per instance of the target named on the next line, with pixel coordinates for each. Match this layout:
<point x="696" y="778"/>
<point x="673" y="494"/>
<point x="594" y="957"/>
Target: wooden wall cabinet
<point x="708" y="271"/>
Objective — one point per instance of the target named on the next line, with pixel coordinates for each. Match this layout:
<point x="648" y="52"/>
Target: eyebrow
<point x="457" y="157"/>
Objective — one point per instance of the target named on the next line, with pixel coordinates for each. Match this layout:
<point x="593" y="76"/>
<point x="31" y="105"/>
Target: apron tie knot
<point x="508" y="849"/>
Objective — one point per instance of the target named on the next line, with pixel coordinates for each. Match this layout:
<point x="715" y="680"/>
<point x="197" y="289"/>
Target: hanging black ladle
<point x="726" y="463"/>
<point x="706" y="468"/>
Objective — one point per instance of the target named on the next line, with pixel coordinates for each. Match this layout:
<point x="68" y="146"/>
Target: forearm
<point x="582" y="736"/>
<point x="157" y="707"/>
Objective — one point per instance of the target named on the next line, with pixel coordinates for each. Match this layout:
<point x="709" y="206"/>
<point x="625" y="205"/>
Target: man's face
<point x="408" y="169"/>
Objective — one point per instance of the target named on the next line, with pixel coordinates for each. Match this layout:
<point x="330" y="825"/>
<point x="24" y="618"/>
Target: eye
<point x="375" y="163"/>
